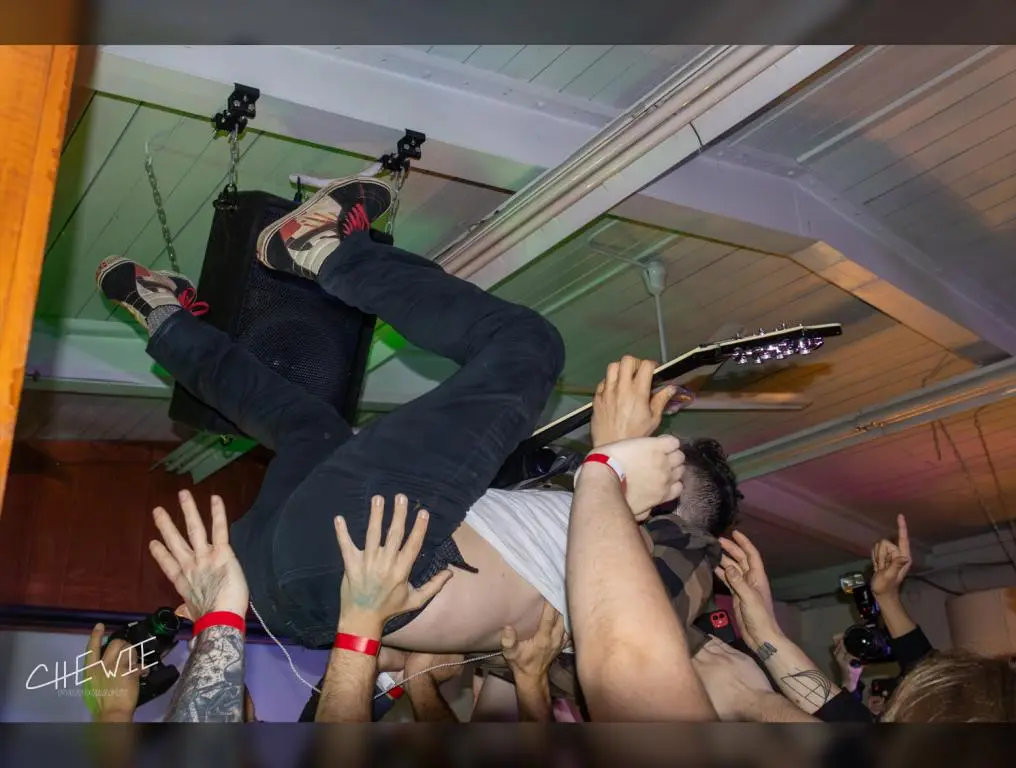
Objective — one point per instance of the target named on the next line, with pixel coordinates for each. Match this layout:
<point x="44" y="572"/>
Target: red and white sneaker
<point x="300" y="242"/>
<point x="140" y="290"/>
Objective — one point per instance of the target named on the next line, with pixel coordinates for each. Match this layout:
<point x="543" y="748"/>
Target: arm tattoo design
<point x="810" y="685"/>
<point x="766" y="651"/>
<point x="211" y="687"/>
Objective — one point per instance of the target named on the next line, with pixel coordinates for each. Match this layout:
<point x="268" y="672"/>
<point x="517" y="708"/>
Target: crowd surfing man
<point x="442" y="450"/>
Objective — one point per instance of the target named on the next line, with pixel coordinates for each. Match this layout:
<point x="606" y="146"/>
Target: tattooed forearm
<point x="797" y="675"/>
<point x="809" y="685"/>
<point x="211" y="687"/>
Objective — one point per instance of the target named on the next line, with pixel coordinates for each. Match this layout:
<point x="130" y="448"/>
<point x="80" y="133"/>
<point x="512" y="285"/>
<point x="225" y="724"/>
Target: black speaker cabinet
<point x="290" y="324"/>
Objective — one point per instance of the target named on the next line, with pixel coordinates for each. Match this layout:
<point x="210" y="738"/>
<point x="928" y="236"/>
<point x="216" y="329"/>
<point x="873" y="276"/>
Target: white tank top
<point x="529" y="529"/>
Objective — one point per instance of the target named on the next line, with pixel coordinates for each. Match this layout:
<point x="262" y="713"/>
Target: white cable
<point x="313" y="182"/>
<point x="289" y="658"/>
<point x="314" y="688"/>
<point x="437" y="666"/>
<point x="661" y="327"/>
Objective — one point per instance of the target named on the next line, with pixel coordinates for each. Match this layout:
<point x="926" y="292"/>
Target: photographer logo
<point x="66" y="678"/>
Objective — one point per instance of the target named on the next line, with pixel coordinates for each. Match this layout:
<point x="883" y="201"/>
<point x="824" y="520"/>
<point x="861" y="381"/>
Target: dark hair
<point x="710" y="496"/>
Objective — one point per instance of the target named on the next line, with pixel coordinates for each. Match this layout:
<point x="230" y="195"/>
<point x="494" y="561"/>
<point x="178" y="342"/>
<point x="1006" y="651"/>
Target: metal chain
<point x="234" y="161"/>
<point x="398" y="180"/>
<point x="160" y="211"/>
<point x="232" y="178"/>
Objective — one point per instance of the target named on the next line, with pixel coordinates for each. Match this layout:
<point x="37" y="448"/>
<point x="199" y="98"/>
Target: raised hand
<point x="739" y="550"/>
<point x="530" y="661"/>
<point x="375" y="583"/>
<point x="533" y="658"/>
<point x="111" y="688"/>
<point x="743" y="571"/>
<point x="206" y="575"/>
<point x="654" y="468"/>
<point x="624" y="406"/>
<point x="891" y="562"/>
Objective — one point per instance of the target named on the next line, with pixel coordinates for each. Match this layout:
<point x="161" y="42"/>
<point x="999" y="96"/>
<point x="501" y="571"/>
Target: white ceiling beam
<point x="723" y="87"/>
<point x="973" y="389"/>
<point x="92" y="353"/>
<point x="808" y="586"/>
<point x="97" y="357"/>
<point x="982" y="551"/>
<point x="985" y="549"/>
<point x="854" y="250"/>
<point x="798" y="509"/>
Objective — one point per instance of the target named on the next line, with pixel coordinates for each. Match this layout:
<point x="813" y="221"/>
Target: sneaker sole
<point x="272" y="229"/>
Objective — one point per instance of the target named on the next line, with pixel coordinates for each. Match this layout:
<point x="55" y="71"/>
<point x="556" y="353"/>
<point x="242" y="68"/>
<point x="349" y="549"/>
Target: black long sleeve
<point x="844" y="708"/>
<point x="910" y="649"/>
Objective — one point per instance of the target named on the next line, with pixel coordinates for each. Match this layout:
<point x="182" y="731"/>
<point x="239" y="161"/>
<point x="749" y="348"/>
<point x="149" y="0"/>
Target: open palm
<point x="753" y="598"/>
<point x="206" y="574"/>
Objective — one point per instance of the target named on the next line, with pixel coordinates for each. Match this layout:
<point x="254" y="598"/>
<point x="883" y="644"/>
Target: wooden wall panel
<point x="33" y="114"/>
<point x="77" y="522"/>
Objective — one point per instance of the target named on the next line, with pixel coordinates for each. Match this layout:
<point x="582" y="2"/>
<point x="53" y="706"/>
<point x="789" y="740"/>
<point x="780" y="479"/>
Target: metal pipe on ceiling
<point x="965" y="392"/>
<point x="672" y="107"/>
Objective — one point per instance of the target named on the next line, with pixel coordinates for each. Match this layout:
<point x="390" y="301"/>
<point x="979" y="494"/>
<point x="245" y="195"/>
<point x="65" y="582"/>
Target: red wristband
<point x="365" y="645"/>
<point x="602" y="458"/>
<point x="220" y="619"/>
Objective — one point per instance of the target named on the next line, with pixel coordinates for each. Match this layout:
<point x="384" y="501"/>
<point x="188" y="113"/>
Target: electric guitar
<point x="764" y="346"/>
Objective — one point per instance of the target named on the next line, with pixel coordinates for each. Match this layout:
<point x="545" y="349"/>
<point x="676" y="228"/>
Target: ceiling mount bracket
<point x="407" y="149"/>
<point x="240" y="108"/>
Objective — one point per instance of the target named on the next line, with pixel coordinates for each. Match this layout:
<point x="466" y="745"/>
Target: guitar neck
<point x="584" y="414"/>
<point x="712" y="354"/>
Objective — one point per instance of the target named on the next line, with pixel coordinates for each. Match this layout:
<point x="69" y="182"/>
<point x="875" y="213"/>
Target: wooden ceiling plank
<point x="922" y="159"/>
<point x="957" y="178"/>
<point x="118" y="181"/>
<point x="95" y="135"/>
<point x="528" y="63"/>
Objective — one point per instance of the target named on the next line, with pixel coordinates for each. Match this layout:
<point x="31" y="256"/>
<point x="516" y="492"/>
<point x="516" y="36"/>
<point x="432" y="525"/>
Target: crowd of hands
<point x="631" y="651"/>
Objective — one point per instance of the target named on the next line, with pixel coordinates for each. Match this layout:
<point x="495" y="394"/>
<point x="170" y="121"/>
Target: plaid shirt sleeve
<point x="685" y="561"/>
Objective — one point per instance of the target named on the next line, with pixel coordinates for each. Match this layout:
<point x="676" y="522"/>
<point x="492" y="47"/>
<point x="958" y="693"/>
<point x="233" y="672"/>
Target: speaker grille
<point x="289" y="324"/>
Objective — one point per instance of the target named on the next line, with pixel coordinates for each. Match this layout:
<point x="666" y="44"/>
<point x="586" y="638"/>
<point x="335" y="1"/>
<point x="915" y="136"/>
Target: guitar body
<point x="758" y="349"/>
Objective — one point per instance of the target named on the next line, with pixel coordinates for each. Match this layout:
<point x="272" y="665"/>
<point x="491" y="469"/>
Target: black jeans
<point x="441" y="450"/>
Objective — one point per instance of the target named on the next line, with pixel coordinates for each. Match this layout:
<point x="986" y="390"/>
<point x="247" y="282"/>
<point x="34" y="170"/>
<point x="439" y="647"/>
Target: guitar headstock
<point x="778" y="344"/>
